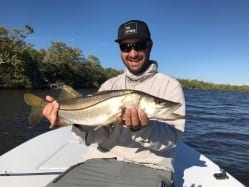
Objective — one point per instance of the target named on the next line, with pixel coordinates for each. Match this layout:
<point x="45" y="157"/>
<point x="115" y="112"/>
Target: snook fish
<point x="102" y="108"/>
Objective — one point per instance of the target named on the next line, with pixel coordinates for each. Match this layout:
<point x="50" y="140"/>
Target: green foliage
<point x="59" y="53"/>
<point x="63" y="64"/>
<point x="15" y="58"/>
<point x="110" y="72"/>
<point x="195" y="84"/>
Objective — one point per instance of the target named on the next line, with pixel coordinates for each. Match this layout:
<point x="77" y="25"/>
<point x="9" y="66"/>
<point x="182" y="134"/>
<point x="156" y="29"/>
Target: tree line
<point x="23" y="66"/>
<point x="196" y="84"/>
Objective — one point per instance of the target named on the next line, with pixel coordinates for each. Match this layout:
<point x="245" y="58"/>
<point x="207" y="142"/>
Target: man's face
<point x="135" y="54"/>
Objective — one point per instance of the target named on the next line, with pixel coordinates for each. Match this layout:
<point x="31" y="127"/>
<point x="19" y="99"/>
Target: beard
<point x="136" y="65"/>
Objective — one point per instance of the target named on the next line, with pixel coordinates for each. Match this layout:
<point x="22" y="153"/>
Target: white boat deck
<point x="38" y="161"/>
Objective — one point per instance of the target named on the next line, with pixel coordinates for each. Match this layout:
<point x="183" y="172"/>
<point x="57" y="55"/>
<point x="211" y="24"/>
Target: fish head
<point x="158" y="108"/>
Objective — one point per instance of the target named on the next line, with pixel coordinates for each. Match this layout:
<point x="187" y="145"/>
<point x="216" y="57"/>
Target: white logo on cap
<point x="131" y="28"/>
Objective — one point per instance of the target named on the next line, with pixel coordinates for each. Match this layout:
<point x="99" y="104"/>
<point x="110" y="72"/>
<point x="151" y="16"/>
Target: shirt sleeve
<point x="158" y="136"/>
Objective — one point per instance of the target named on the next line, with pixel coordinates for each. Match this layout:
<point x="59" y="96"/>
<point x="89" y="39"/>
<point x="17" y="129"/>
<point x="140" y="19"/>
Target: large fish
<point x="102" y="108"/>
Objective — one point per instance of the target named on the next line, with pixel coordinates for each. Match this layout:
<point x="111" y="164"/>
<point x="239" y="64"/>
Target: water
<point x="217" y="126"/>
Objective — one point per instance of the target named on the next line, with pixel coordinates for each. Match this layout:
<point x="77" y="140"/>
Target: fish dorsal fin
<point x="68" y="92"/>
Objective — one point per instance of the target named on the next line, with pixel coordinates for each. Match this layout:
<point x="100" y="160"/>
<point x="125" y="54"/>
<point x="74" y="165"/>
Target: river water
<point x="217" y="125"/>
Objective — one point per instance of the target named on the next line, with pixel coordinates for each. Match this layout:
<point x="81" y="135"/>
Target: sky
<point x="207" y="40"/>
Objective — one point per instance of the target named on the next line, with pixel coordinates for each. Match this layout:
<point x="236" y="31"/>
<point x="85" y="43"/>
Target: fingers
<point x="50" y="110"/>
<point x="49" y="98"/>
<point x="133" y="119"/>
<point x="143" y="118"/>
<point x="127" y="118"/>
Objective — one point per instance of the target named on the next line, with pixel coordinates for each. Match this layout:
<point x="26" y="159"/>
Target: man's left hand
<point x="134" y="119"/>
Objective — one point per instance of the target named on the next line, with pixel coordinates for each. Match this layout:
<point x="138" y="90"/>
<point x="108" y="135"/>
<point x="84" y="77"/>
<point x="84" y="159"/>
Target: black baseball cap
<point x="133" y="29"/>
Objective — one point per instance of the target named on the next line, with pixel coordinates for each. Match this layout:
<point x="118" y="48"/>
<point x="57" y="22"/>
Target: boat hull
<point x="41" y="159"/>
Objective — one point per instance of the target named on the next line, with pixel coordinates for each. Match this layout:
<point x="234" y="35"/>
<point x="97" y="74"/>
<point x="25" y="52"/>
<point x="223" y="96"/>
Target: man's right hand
<point x="50" y="111"/>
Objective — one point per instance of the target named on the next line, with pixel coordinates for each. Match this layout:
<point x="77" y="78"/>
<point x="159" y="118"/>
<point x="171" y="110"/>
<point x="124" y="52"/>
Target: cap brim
<point x="119" y="40"/>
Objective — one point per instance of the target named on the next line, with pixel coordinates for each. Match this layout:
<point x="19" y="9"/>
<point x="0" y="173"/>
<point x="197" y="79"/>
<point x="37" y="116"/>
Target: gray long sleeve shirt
<point x="153" y="145"/>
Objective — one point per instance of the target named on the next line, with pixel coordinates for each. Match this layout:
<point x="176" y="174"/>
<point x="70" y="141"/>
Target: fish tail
<point x="36" y="104"/>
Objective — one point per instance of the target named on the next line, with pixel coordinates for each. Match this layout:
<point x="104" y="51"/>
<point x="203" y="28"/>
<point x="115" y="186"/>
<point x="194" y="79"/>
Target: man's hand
<point x="133" y="119"/>
<point x="50" y="111"/>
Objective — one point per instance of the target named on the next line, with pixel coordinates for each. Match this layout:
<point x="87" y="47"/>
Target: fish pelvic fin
<point x="112" y="118"/>
<point x="37" y="105"/>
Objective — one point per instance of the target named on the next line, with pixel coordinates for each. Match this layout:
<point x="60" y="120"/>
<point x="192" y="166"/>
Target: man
<point x="135" y="151"/>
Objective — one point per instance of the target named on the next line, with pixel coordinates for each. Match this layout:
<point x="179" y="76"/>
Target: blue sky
<point x="206" y="40"/>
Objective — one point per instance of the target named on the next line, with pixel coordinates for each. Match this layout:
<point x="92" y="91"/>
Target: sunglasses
<point x="138" y="46"/>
